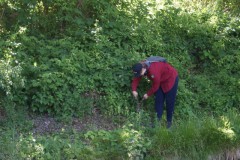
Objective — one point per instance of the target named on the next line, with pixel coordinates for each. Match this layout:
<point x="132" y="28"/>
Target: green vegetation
<point x="69" y="59"/>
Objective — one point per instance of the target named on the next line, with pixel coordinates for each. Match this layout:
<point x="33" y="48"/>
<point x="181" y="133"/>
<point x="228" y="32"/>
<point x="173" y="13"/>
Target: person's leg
<point x="170" y="102"/>
<point x="159" y="102"/>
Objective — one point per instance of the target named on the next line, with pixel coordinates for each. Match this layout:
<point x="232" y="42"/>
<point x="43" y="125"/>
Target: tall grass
<point x="197" y="138"/>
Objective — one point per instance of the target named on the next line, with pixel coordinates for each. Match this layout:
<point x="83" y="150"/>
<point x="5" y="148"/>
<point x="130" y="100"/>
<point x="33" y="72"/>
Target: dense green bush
<point x="79" y="55"/>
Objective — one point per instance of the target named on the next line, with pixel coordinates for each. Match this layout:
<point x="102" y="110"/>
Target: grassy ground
<point x="99" y="137"/>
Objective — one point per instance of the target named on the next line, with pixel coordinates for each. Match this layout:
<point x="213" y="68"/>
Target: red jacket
<point x="161" y="74"/>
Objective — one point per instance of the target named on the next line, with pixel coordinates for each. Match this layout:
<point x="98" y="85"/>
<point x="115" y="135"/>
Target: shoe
<point x="169" y="124"/>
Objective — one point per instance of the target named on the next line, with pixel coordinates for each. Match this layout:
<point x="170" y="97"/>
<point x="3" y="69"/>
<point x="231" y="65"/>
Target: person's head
<point x="139" y="69"/>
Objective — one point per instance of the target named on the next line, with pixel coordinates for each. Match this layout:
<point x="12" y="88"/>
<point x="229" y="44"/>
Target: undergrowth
<point x="72" y="58"/>
<point x="193" y="138"/>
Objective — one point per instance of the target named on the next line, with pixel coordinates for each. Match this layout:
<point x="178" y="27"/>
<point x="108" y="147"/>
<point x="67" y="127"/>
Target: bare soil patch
<point x="45" y="124"/>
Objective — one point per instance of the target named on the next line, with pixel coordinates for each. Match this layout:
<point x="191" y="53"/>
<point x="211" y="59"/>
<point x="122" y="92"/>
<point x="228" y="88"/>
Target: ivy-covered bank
<point x="72" y="59"/>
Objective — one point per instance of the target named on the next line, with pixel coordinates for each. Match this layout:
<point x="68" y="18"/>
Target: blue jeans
<point x="169" y="97"/>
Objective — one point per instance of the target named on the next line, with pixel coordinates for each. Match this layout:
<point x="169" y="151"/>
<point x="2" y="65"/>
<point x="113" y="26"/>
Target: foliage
<point x="70" y="58"/>
<point x="195" y="138"/>
<point x="69" y="70"/>
<point x="11" y="86"/>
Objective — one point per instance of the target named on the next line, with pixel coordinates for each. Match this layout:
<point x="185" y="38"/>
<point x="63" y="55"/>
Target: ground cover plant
<point x="70" y="63"/>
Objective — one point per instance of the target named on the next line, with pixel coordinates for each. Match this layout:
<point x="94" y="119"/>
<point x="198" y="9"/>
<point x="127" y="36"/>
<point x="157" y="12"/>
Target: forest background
<point x="72" y="59"/>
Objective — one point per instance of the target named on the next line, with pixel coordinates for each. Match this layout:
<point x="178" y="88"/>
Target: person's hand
<point x="145" y="96"/>
<point x="135" y="94"/>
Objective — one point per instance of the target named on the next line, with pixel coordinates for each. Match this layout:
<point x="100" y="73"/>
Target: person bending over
<point x="164" y="79"/>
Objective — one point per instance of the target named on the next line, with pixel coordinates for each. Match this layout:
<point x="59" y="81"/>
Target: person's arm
<point x="135" y="83"/>
<point x="155" y="85"/>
